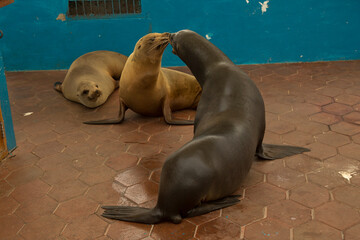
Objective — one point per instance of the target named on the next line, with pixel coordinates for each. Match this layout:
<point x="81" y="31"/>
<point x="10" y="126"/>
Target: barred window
<point x="103" y="7"/>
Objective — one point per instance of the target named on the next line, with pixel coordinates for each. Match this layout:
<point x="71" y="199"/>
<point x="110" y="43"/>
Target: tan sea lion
<point x="150" y="90"/>
<point x="92" y="77"/>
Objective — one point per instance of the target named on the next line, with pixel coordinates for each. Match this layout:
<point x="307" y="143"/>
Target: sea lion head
<point x="89" y="93"/>
<point x="151" y="46"/>
<point x="181" y="38"/>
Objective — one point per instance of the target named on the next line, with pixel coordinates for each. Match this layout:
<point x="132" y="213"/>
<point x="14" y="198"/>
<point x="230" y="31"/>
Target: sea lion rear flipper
<point x="271" y="151"/>
<point x="132" y="214"/>
<point x="207" y="207"/>
<point x="57" y="86"/>
<point x="168" y="116"/>
<point x="117" y="120"/>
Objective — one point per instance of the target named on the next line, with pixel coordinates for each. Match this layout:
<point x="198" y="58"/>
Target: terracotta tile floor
<point x="63" y="171"/>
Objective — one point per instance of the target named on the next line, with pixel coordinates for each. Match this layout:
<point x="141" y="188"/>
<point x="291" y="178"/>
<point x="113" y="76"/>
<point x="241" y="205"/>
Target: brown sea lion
<point x="92" y="77"/>
<point x="229" y="128"/>
<point x="150" y="90"/>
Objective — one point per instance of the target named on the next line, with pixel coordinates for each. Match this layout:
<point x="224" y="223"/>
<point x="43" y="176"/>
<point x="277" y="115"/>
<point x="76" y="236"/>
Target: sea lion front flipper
<point x="271" y="151"/>
<point x="119" y="119"/>
<point x="57" y="86"/>
<point x="168" y="116"/>
<point x="207" y="207"/>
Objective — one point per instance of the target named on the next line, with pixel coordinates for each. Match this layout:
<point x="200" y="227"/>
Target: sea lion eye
<point x="152" y="39"/>
<point x="96" y="86"/>
<point x="139" y="46"/>
<point x="85" y="92"/>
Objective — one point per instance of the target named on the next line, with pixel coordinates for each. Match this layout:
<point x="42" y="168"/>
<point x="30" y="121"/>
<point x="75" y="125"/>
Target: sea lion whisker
<point x="155" y="46"/>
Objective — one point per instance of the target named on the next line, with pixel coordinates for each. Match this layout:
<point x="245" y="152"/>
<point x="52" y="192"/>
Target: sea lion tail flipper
<point x="133" y="214"/>
<point x="271" y="151"/>
<point x="207" y="207"/>
<point x="57" y="86"/>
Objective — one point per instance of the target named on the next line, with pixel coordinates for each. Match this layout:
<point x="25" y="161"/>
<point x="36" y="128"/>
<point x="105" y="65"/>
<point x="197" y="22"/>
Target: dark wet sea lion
<point x="228" y="132"/>
<point x="92" y="78"/>
<point x="150" y="90"/>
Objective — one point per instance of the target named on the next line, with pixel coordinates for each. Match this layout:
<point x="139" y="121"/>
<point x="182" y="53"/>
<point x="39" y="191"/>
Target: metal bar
<point x="112" y="3"/>
<point x="83" y="1"/>
<point x="119" y="6"/>
<point x="127" y="9"/>
<point x="76" y="10"/>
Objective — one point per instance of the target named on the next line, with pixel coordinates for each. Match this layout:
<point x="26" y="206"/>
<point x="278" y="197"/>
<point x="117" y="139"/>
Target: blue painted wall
<point x="289" y="31"/>
<point x="5" y="110"/>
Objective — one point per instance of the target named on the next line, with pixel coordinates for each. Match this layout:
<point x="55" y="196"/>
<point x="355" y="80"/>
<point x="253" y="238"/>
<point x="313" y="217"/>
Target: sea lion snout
<point x="94" y="95"/>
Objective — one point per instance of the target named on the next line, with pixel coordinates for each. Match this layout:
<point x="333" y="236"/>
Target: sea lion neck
<point x="197" y="53"/>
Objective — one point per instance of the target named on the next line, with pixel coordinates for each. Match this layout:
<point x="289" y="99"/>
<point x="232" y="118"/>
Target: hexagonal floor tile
<point x="346" y="128"/>
<point x="285" y="178"/>
<point x="327" y="178"/>
<point x="337" y="215"/>
<point x="46" y="227"/>
<point x="289" y="212"/>
<point x="106" y="193"/>
<point x="76" y="208"/>
<point x="90" y="227"/>
<point x="68" y="190"/>
<point x="219" y="228"/>
<point x="29" y="191"/>
<point x="267" y="166"/>
<point x="298" y="138"/>
<point x="122" y="161"/>
<point x="264" y="194"/>
<point x="5" y="189"/>
<point x="7" y="206"/>
<point x="132" y="176"/>
<point x="351" y="150"/>
<point x="340" y="163"/>
<point x="267" y="229"/>
<point x="325" y="118"/>
<point x="245" y="212"/>
<point x="309" y="195"/>
<point x="337" y="109"/>
<point x="126" y="230"/>
<point x="184" y="230"/>
<point x="316" y="230"/>
<point x="33" y="209"/>
<point x="347" y="99"/>
<point x="353" y="233"/>
<point x="321" y="151"/>
<point x="333" y="139"/>
<point x="10" y="225"/>
<point x="198" y="220"/>
<point x="303" y="163"/>
<point x="280" y="127"/>
<point x="24" y="175"/>
<point x="143" y="192"/>
<point x="349" y="195"/>
<point x="95" y="175"/>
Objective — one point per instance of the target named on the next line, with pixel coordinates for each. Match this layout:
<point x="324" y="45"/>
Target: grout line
<point x="291" y="233"/>
<point x="242" y="232"/>
<point x="312" y="214"/>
